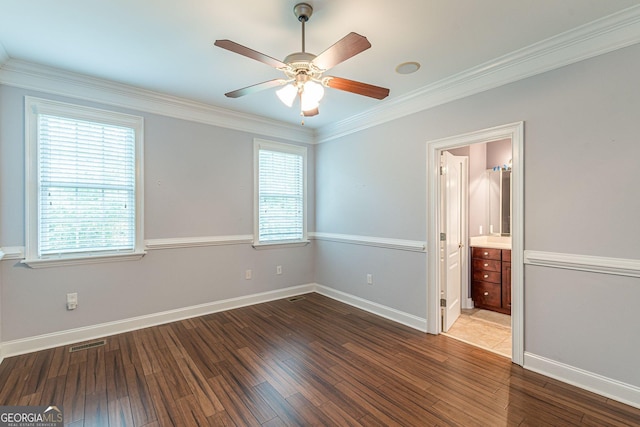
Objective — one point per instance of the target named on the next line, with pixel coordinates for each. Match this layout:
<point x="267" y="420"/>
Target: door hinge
<point x="442" y="170"/>
<point x="443" y="302"/>
<point x="443" y="237"/>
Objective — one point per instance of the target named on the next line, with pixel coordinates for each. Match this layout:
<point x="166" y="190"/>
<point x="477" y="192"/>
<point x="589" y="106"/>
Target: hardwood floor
<point x="310" y="362"/>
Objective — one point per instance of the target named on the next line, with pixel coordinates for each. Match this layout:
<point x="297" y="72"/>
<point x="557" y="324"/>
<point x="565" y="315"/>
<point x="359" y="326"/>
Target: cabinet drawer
<point x="486" y="253"/>
<point x="485" y="265"/>
<point x="487" y="276"/>
<point x="486" y="293"/>
<point x="506" y="255"/>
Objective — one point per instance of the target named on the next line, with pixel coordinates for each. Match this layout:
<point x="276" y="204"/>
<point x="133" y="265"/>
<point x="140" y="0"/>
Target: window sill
<point x="80" y="260"/>
<point x="280" y="245"/>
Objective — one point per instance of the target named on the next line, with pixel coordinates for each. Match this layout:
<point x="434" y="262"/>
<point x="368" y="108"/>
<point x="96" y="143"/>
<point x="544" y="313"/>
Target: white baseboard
<point x="604" y="386"/>
<point x="614" y="389"/>
<point x="410" y="320"/>
<point x="56" y="339"/>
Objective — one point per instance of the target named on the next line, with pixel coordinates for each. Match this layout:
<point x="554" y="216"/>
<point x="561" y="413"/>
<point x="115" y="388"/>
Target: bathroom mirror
<point x="499" y="202"/>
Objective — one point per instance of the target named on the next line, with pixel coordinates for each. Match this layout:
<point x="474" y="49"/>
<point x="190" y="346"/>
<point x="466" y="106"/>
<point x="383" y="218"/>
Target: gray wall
<point x="581" y="177"/>
<point x="581" y="141"/>
<point x="198" y="183"/>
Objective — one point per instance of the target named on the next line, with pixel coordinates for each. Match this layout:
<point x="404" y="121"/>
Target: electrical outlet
<point x="72" y="301"/>
<point x="370" y="279"/>
<point x="247" y="274"/>
<point x="278" y="269"/>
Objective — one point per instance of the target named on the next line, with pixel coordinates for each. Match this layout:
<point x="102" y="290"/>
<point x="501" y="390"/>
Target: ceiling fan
<point x="304" y="72"/>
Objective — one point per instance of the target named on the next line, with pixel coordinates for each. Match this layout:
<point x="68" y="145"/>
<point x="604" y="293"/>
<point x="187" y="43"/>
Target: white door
<point x="453" y="207"/>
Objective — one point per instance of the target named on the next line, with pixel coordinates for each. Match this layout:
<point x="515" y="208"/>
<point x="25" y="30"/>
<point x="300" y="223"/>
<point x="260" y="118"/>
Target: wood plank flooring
<point x="311" y="362"/>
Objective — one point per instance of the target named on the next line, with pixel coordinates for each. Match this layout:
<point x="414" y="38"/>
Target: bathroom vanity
<point x="491" y="275"/>
<point x="491" y="254"/>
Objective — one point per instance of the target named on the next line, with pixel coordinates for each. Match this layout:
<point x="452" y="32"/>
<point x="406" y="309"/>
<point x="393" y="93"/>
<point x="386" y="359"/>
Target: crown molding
<point x="604" y="35"/>
<point x="27" y="75"/>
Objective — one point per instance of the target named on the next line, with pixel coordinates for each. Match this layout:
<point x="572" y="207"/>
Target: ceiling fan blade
<point x="255" y="88"/>
<point x="359" y="88"/>
<point x="311" y="113"/>
<point x="350" y="45"/>
<point x="250" y="53"/>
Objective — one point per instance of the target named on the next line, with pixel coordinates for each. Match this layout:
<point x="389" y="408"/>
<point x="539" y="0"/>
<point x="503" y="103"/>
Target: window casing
<point x="84" y="184"/>
<point x="280" y="193"/>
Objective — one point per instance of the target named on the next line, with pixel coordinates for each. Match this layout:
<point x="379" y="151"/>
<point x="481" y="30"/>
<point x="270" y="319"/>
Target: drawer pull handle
<point x="486" y="265"/>
<point x="486" y="294"/>
<point x="486" y="275"/>
<point x="486" y="253"/>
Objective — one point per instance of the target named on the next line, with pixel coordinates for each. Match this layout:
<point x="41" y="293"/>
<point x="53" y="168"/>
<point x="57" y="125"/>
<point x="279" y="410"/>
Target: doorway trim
<point x="514" y="131"/>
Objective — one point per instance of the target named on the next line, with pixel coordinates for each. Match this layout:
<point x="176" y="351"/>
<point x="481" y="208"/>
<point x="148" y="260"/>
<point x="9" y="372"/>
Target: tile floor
<point x="486" y="329"/>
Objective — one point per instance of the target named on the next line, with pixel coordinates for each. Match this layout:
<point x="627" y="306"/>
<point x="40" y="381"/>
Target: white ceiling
<point x="167" y="45"/>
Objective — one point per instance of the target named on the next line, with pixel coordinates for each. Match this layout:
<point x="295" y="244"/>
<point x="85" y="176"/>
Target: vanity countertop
<point x="492" y="242"/>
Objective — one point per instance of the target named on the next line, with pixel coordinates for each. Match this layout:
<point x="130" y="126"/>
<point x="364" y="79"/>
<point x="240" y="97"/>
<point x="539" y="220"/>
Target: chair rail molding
<point x="12" y="253"/>
<point x="193" y="242"/>
<point x="378" y="242"/>
<point x="593" y="264"/>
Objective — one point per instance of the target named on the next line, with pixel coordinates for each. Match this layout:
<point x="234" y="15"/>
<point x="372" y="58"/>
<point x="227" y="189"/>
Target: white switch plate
<point x="369" y="279"/>
<point x="72" y="301"/>
<point x="278" y="269"/>
<point x="247" y="274"/>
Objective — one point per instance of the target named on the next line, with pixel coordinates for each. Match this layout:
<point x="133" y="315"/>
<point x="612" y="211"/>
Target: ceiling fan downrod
<point x="303" y="12"/>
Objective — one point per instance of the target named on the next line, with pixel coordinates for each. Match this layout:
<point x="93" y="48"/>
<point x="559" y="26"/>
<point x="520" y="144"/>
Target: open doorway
<point x="477" y="237"/>
<point x="436" y="272"/>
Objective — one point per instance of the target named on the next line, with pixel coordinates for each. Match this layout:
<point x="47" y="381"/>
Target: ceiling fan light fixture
<point x="287" y="94"/>
<point x="310" y="95"/>
<point x="314" y="90"/>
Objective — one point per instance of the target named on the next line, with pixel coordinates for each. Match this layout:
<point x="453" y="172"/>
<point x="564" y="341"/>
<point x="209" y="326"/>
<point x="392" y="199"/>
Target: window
<point x="84" y="184"/>
<point x="280" y="193"/>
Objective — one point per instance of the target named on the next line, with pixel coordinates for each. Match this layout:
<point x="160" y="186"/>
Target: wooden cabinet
<point x="491" y="279"/>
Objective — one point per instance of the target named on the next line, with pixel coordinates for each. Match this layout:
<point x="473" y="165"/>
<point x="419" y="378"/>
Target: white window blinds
<point x="86" y="187"/>
<point x="281" y="194"/>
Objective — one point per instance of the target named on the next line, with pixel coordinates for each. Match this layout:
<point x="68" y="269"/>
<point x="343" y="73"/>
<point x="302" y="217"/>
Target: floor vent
<point x="87" y="346"/>
<point x="298" y="298"/>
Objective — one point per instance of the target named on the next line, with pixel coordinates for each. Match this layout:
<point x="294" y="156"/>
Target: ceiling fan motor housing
<point x="303" y="11"/>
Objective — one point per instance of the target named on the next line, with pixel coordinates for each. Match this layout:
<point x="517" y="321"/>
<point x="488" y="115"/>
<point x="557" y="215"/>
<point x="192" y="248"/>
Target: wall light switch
<point x="247" y="274"/>
<point x="279" y="269"/>
<point x="369" y="279"/>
